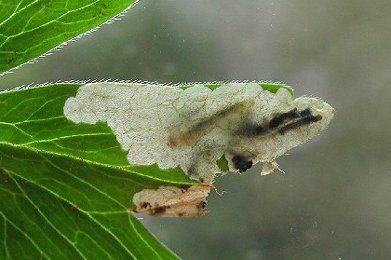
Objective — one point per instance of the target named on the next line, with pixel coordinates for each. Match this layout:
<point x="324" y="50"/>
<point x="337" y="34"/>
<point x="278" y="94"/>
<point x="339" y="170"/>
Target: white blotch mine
<point x="193" y="128"/>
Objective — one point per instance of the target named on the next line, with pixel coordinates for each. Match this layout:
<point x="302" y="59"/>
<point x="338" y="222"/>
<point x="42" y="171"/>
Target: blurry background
<point x="334" y="202"/>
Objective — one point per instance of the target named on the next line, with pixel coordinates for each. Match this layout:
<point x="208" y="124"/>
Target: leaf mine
<point x="193" y="128"/>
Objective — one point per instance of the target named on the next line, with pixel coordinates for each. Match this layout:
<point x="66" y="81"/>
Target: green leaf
<point x="222" y="163"/>
<point x="30" y="28"/>
<point x="66" y="189"/>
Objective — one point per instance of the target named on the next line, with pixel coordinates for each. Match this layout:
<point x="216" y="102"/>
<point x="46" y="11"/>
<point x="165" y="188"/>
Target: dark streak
<point x="280" y="123"/>
<point x="200" y="126"/>
<point x="280" y="119"/>
<point x="303" y="121"/>
<point x="305" y="112"/>
<point x="251" y="130"/>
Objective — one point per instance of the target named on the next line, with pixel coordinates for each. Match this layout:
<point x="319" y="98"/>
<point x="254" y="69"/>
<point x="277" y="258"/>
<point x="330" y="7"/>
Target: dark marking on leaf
<point x="305" y="112"/>
<point x="202" y="205"/>
<point x="206" y="122"/>
<point x="160" y="209"/>
<point x="241" y="163"/>
<point x="281" y="118"/>
<point x="184" y="188"/>
<point x="251" y="130"/>
<point x="303" y="121"/>
<point x="145" y="205"/>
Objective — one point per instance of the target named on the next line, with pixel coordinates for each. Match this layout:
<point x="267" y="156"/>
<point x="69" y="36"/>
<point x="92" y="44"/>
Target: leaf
<point x="30" y="28"/>
<point x="66" y="189"/>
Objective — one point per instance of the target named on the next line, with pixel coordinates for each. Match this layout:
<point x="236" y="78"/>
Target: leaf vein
<point x="47" y="23"/>
<point x="46" y="219"/>
<point x="19" y="104"/>
<point x="44" y="104"/>
<point x="16" y="11"/>
<point x="64" y="137"/>
<point x="142" y="239"/>
<point x="5" y="240"/>
<point x="23" y="233"/>
<point x="82" y="181"/>
<point x="18" y="128"/>
<point x="38" y="120"/>
<point x="96" y="244"/>
<point x="125" y="169"/>
<point x="85" y="212"/>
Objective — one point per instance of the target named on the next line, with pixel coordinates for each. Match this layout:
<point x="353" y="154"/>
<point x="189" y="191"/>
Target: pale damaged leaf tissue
<point x="195" y="127"/>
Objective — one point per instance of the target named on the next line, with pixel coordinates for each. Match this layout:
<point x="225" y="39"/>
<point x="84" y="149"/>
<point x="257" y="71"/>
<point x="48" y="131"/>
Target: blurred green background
<point x="334" y="202"/>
